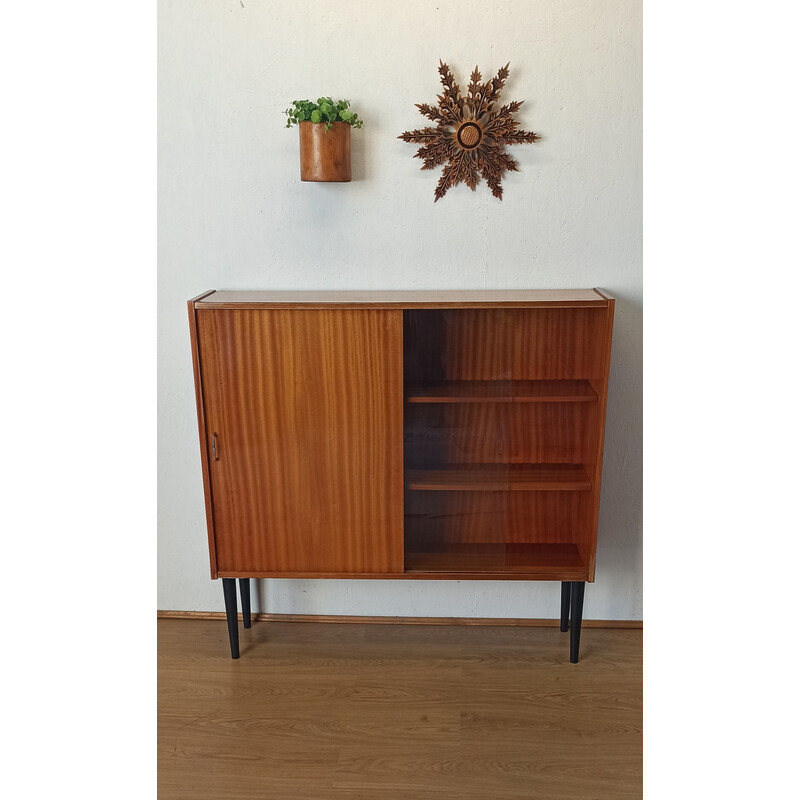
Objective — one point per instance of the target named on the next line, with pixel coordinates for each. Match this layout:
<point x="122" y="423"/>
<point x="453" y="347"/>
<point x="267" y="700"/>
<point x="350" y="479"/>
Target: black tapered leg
<point x="565" y="595"/>
<point x="229" y="591"/>
<point x="244" y="593"/>
<point x="576" y="592"/>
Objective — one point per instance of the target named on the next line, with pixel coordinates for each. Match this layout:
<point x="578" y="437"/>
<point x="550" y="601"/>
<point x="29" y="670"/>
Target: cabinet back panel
<point x="497" y="433"/>
<point x="436" y="518"/>
<point x="307" y="410"/>
<point x="505" y="344"/>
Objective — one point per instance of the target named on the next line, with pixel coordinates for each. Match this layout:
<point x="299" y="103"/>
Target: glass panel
<point x="500" y="431"/>
<point x="457" y="370"/>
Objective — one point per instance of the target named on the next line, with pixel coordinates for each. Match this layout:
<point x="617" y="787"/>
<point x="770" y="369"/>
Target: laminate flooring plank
<point x="485" y="773"/>
<point x="328" y="711"/>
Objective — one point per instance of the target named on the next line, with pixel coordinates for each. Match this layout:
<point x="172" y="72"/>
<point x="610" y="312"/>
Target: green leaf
<point x="324" y="110"/>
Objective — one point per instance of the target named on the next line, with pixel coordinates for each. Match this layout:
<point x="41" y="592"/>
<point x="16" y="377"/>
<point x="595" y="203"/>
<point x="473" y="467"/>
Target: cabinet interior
<point x="501" y="438"/>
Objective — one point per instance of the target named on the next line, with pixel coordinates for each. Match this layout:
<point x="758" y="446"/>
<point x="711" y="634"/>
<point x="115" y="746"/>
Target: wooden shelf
<point x="497" y="558"/>
<point x="504" y="391"/>
<point x="500" y="477"/>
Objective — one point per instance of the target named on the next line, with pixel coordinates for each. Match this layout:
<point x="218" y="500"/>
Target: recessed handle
<point x="214" y="446"/>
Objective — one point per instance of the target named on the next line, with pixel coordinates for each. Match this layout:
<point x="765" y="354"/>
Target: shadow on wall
<point x="621" y="499"/>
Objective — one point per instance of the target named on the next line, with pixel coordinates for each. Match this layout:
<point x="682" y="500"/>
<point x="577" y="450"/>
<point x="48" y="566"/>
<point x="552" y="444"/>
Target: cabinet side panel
<point x="306" y="406"/>
<point x="601" y="386"/>
<point x="201" y="424"/>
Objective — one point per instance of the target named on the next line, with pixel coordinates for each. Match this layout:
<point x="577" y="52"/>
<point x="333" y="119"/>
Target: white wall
<point x="232" y="213"/>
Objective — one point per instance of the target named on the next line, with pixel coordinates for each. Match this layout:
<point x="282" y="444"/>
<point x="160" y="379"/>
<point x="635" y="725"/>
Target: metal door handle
<point x="214" y="446"/>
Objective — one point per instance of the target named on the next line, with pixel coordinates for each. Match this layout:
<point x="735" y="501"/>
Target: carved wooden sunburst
<point x="469" y="134"/>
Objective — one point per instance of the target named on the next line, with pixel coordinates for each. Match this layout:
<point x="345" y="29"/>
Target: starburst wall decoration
<point x="469" y="134"/>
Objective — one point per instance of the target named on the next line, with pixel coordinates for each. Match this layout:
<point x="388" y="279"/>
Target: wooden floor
<point x="366" y="712"/>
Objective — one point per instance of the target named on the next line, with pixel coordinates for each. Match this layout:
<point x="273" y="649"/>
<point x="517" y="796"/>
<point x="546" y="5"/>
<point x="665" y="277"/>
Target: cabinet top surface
<point x="403" y="299"/>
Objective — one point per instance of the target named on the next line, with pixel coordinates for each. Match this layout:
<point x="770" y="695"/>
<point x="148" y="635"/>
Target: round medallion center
<point x="469" y="135"/>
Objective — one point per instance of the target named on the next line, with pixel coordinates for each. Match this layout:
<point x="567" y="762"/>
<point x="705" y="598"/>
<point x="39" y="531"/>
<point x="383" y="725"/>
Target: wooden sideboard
<point x="431" y="435"/>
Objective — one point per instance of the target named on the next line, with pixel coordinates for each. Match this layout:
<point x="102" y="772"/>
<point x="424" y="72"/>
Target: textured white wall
<point x="232" y="213"/>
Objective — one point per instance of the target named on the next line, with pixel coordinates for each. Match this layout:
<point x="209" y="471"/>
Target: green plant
<point x="324" y="110"/>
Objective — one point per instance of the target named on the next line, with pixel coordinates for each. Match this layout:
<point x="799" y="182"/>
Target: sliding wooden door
<point x="304" y="438"/>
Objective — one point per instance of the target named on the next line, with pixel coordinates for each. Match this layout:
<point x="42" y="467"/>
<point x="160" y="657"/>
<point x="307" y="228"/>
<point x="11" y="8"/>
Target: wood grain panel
<point x="496" y="344"/>
<point x="201" y="427"/>
<point x="503" y="392"/>
<point x="452" y="575"/>
<point x="477" y="345"/>
<point x="475" y="298"/>
<point x="494" y="477"/>
<point x="307" y="411"/>
<point x="515" y="517"/>
<point x="500" y="433"/>
<point x="435" y="521"/>
<point x="604" y="334"/>
<point x="438" y="434"/>
<point x="552" y="433"/>
<point x="548" y="560"/>
<point x="557" y="344"/>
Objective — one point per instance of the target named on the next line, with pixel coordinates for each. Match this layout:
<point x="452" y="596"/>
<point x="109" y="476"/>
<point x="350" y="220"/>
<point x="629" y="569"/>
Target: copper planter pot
<point x="324" y="153"/>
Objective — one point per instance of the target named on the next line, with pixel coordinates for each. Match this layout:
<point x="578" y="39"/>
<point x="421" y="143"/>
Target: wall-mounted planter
<point x="325" y="153"/>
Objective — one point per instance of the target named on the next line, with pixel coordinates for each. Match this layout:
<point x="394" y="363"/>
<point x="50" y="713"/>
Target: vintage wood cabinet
<point x="454" y="435"/>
